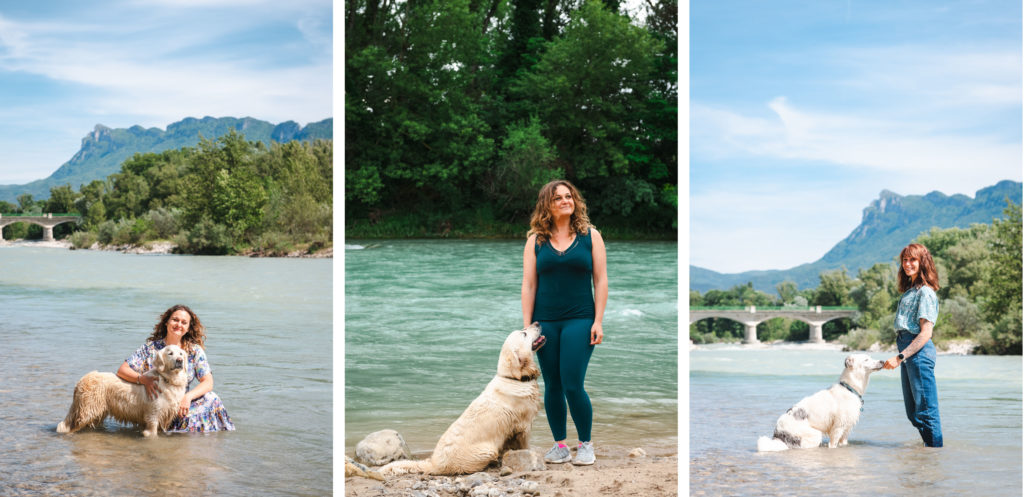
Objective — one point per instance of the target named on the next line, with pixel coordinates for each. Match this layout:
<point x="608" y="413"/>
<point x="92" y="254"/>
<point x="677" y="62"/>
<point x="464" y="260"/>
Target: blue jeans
<point x="920" y="394"/>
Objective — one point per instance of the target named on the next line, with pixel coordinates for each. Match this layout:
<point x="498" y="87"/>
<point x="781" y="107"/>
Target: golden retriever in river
<point x="98" y="395"/>
<point x="498" y="420"/>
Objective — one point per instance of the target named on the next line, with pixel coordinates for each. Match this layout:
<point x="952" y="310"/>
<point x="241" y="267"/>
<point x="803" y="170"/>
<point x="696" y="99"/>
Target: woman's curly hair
<point x="196" y="335"/>
<point x="541" y="222"/>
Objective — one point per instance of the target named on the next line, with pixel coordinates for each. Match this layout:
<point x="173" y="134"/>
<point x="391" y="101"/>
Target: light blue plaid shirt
<point x="916" y="303"/>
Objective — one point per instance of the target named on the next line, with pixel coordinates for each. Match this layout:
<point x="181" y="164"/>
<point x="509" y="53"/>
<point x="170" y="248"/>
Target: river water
<point x="737" y="393"/>
<point x="64" y="313"/>
<point x="424" y="321"/>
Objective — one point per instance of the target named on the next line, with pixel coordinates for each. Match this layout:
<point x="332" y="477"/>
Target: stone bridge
<point x="47" y="221"/>
<point x="752" y="316"/>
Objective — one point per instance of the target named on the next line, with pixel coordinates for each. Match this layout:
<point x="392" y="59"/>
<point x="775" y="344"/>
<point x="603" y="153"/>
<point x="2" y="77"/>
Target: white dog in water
<point x="98" y="395"/>
<point x="499" y="419"/>
<point x="833" y="411"/>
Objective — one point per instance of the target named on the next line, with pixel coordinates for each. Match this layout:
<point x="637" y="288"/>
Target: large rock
<point x="521" y="461"/>
<point x="382" y="447"/>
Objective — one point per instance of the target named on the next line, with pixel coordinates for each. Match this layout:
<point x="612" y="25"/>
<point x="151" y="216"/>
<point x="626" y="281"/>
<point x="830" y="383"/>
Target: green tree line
<point x="222" y="196"/>
<point x="979" y="299"/>
<point x="457" y="111"/>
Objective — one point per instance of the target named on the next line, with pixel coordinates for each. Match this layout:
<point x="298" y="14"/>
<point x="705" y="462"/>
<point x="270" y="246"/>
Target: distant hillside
<point x="888" y="224"/>
<point x="104" y="149"/>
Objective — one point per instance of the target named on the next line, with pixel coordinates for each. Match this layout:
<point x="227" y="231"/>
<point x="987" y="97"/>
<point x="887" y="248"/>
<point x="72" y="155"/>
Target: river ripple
<point x="737" y="394"/>
<point x="424" y="321"/>
<point x="65" y="313"/>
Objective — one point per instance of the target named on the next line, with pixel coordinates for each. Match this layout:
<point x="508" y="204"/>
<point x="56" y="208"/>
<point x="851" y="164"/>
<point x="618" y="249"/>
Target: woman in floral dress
<point x="201" y="410"/>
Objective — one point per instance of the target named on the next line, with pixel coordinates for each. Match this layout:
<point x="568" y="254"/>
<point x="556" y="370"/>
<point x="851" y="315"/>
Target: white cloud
<point x="141" y="80"/>
<point x="153" y="67"/>
<point x="979" y="76"/>
<point x="884" y="146"/>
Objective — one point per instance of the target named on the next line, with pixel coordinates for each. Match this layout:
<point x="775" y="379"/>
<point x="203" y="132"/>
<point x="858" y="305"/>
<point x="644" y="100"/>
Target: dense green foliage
<point x="220" y="197"/>
<point x="457" y="111"/>
<point x="979" y="297"/>
<point x="105" y="149"/>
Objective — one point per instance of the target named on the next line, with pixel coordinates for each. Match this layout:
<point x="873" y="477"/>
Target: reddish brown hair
<point x="196" y="334"/>
<point x="926" y="272"/>
<point x="541" y="222"/>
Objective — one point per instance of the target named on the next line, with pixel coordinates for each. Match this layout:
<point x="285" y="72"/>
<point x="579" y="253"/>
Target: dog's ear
<point x="849" y="361"/>
<point x="513" y="363"/>
<point x="158" y="361"/>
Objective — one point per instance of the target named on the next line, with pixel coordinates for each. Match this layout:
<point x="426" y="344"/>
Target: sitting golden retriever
<point x="98" y="395"/>
<point x="498" y="420"/>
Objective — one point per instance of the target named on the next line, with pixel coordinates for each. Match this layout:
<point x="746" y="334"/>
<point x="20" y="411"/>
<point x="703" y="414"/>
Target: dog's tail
<point x="405" y="467"/>
<point x="765" y="444"/>
<point x="72" y="419"/>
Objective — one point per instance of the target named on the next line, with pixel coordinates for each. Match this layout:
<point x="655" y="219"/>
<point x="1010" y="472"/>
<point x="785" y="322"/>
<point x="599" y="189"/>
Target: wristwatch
<point x="900" y="357"/>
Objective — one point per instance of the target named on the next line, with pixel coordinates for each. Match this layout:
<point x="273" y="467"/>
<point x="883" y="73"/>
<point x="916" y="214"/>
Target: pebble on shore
<point x="519" y="473"/>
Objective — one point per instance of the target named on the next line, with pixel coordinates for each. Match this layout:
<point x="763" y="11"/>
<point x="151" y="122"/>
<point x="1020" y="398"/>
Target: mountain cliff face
<point x="104" y="149"/>
<point x="887" y="225"/>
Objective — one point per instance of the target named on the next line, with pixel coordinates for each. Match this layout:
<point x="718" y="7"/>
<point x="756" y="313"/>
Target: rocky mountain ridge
<point x="104" y="149"/>
<point x="888" y="223"/>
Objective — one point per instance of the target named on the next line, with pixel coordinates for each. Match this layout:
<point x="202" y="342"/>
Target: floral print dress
<point x="207" y="413"/>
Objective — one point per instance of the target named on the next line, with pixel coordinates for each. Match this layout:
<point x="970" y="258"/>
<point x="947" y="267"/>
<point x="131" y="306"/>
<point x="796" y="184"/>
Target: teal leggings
<point x="563" y="364"/>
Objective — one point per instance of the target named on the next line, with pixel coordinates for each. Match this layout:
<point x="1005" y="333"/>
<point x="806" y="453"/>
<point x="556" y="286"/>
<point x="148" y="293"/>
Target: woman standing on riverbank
<point x="915" y="319"/>
<point x="201" y="410"/>
<point x="565" y="289"/>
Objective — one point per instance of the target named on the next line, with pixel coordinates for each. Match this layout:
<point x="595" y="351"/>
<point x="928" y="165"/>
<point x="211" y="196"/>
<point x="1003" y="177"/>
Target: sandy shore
<point x="615" y="474"/>
<point x="149" y="248"/>
<point x="156" y="248"/>
<point x="36" y="243"/>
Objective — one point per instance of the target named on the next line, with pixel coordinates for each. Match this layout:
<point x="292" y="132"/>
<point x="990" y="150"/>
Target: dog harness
<point x="859" y="396"/>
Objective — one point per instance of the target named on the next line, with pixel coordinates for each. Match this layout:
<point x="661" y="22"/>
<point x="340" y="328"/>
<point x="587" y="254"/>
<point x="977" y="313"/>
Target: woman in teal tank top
<point x="565" y="289"/>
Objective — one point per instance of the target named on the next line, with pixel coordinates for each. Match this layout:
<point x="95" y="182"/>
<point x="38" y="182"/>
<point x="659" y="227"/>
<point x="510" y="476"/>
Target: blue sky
<point x="66" y="66"/>
<point x="802" y="112"/>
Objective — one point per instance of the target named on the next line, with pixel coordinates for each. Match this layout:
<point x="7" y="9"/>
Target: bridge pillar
<point x="751" y="334"/>
<point x="47" y="233"/>
<point x="816" y="336"/>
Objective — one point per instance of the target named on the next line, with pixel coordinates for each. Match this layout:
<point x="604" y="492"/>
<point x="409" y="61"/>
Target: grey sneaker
<point x="584" y="454"/>
<point x="557" y="455"/>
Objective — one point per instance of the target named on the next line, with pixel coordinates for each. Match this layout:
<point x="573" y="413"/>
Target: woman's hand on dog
<point x="152" y="390"/>
<point x="183" y="407"/>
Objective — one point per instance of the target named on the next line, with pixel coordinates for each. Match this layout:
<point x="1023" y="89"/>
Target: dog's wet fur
<point x="832" y="412"/>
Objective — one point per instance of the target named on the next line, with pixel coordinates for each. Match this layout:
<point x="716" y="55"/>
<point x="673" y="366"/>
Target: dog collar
<point x="523" y="379"/>
<point x="859" y="396"/>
